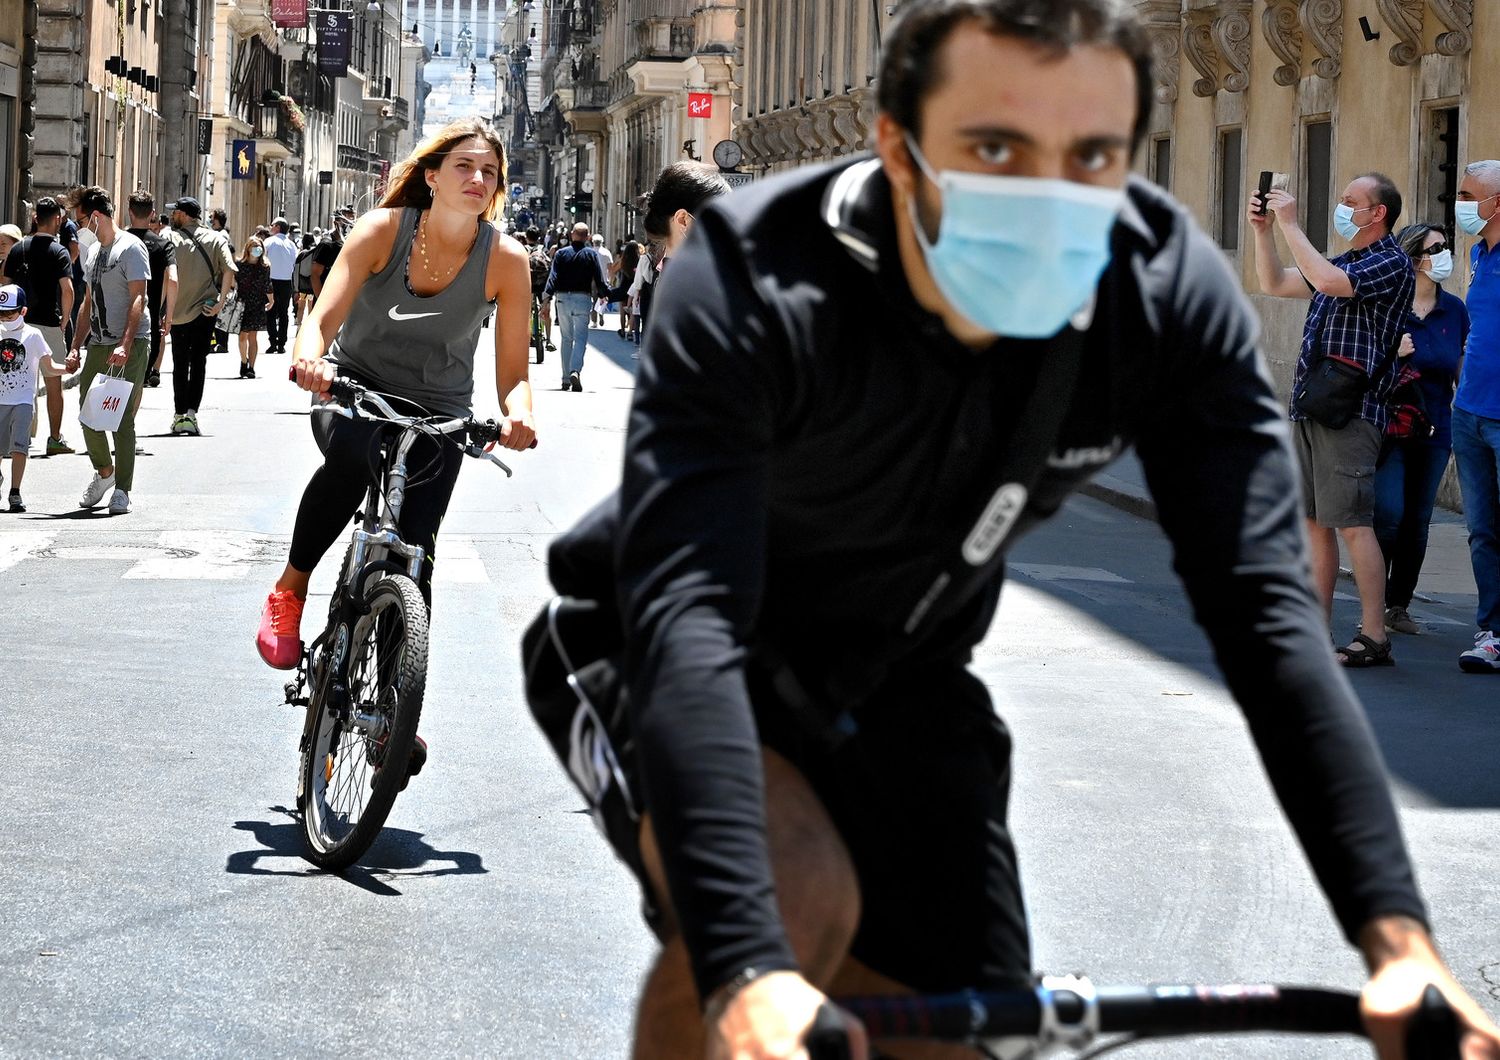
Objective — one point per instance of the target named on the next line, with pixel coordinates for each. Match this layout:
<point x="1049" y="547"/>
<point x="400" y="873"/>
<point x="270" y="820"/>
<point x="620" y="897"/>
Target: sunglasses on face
<point x="1427" y="252"/>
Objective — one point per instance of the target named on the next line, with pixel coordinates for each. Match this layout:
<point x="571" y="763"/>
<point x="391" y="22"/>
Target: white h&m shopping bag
<point x="104" y="405"/>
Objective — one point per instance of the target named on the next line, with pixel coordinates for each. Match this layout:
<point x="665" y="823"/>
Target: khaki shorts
<point x="1338" y="472"/>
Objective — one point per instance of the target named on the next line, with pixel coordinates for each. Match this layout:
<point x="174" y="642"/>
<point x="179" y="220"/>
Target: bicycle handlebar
<point x="1073" y="1013"/>
<point x="479" y="433"/>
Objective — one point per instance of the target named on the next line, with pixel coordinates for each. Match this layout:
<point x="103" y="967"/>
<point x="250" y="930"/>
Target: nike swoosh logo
<point x="396" y="314"/>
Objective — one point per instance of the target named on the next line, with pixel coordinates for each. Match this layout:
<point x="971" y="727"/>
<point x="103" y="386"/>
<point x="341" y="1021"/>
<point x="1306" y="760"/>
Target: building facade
<point x="807" y="91"/>
<point x="90" y="108"/>
<point x="1322" y="91"/>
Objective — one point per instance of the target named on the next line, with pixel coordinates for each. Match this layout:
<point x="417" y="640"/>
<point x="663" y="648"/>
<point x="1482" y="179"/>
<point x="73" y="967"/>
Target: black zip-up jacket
<point x="806" y="440"/>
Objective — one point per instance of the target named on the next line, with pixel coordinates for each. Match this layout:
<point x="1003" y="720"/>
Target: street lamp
<point x="270" y="107"/>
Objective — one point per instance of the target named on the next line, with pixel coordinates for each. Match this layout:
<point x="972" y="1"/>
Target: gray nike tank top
<point x="419" y="348"/>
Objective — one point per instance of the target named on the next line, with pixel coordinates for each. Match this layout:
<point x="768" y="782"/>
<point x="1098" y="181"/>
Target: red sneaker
<point x="280" y="636"/>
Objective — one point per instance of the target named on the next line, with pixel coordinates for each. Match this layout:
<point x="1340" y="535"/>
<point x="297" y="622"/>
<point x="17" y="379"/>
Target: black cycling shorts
<point x="919" y="795"/>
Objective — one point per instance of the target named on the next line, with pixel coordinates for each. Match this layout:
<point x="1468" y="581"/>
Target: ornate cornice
<point x="1232" y="37"/>
<point x="1405" y="19"/>
<point x="1198" y="46"/>
<point x="1323" y="28"/>
<point x="1458" y="16"/>
<point x="1283" y="32"/>
<point x="1163" y="19"/>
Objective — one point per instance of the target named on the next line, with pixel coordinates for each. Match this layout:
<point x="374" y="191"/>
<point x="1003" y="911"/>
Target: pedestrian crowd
<point x="1395" y="377"/>
<point x="86" y="293"/>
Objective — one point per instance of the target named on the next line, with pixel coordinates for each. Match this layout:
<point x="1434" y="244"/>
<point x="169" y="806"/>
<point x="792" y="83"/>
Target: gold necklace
<point x="426" y="264"/>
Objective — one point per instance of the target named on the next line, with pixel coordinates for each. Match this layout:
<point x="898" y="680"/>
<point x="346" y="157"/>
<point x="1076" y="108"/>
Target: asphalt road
<point x="153" y="900"/>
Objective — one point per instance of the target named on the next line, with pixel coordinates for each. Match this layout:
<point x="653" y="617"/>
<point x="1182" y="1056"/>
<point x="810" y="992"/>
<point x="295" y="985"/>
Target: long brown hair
<point x="408" y="184"/>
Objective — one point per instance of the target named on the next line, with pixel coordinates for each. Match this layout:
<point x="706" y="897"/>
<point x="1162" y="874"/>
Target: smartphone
<point x="1268" y="181"/>
<point x="1266" y="176"/>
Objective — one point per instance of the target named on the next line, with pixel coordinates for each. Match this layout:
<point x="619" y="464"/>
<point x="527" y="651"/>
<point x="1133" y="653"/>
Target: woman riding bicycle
<point x="401" y="313"/>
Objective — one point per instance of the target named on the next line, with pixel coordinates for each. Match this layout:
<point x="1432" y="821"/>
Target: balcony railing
<point x="357" y="159"/>
<point x="401" y="109"/>
<point x="662" y="38"/>
<point x="279" y="129"/>
<point x="590" y="95"/>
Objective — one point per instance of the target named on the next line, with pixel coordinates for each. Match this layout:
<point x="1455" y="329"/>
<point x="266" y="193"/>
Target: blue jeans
<point x="1406" y="488"/>
<point x="1476" y="445"/>
<point x="573" y="321"/>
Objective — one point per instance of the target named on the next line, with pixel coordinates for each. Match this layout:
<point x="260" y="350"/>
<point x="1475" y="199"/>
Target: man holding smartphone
<point x="205" y="276"/>
<point x="1359" y="305"/>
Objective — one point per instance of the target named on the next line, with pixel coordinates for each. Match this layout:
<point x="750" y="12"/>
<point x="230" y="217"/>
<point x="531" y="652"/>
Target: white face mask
<point x="1441" y="266"/>
<point x="10" y="327"/>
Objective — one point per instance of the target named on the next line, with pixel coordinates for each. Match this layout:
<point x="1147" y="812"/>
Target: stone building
<point x="617" y="77"/>
<point x="90" y="99"/>
<point x="806" y="93"/>
<point x="1321" y="90"/>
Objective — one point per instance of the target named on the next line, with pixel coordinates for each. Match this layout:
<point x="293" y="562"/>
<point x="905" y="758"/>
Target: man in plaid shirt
<point x="1359" y="304"/>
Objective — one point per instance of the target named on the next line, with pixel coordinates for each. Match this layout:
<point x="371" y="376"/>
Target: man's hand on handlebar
<point x="769" y="1019"/>
<point x="1403" y="962"/>
<point x="314" y="375"/>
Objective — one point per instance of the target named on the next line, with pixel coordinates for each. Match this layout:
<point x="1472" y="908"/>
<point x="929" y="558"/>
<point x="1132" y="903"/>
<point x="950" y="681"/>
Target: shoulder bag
<point x="1334" y="388"/>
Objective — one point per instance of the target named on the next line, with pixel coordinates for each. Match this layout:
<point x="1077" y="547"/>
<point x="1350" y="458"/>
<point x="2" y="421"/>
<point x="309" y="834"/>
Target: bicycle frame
<point x="372" y="545"/>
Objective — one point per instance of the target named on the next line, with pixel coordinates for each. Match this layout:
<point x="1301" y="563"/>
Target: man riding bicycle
<point x="809" y="538"/>
<point x="402" y="313"/>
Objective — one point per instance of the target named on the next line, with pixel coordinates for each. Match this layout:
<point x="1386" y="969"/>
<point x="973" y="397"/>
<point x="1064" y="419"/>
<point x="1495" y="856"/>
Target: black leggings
<point x="351" y="448"/>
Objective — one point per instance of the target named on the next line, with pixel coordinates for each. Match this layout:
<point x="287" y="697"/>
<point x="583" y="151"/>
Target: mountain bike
<point x="1070" y="1013"/>
<point x="362" y="680"/>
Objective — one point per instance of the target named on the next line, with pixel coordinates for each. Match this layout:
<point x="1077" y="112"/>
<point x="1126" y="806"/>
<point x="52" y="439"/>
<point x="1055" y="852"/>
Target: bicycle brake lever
<point x="1433" y="1033"/>
<point x="480" y="454"/>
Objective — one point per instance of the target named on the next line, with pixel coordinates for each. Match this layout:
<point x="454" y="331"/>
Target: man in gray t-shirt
<point x="117" y="321"/>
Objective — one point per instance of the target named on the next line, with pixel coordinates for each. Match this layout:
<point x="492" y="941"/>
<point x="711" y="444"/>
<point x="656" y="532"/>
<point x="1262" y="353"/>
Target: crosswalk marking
<point x="16" y="546"/>
<point x="458" y="563"/>
<point x="1049" y="572"/>
<point x="200" y="555"/>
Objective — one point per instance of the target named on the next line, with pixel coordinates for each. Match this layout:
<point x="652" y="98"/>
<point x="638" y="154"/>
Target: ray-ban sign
<point x="700" y="105"/>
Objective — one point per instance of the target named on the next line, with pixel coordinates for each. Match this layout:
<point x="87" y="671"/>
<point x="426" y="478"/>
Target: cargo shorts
<point x="1338" y="472"/>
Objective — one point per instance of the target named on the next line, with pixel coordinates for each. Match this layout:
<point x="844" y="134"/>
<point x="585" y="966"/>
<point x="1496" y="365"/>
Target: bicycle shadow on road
<point x="397" y="853"/>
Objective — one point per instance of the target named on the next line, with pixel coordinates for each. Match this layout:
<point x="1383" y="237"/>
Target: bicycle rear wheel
<point x="538" y="333"/>
<point x="357" y="752"/>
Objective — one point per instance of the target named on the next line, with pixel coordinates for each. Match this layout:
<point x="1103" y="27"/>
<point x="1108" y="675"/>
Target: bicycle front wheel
<point x="360" y="744"/>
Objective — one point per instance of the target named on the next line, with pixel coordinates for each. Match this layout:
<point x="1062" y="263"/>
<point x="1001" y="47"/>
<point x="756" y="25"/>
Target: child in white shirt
<point x="23" y="351"/>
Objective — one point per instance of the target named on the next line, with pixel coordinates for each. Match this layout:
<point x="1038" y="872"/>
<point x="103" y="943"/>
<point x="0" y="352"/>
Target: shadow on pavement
<point x="607" y="341"/>
<point x="1435" y="725"/>
<point x="397" y="852"/>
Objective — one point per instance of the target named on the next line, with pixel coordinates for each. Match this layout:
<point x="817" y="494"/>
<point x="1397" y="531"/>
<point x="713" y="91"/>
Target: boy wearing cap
<point x="23" y="351"/>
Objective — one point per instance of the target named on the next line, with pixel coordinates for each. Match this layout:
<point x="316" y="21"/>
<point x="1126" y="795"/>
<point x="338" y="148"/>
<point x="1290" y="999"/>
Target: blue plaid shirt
<point x="1364" y="328"/>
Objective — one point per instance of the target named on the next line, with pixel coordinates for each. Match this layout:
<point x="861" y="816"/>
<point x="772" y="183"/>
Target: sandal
<point x="1369" y="653"/>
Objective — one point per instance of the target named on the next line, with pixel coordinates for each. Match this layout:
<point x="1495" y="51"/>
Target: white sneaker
<point x="1484" y="656"/>
<point x="119" y="504"/>
<point x="94" y="495"/>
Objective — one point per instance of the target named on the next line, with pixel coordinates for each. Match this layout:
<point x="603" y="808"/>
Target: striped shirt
<point x="1365" y="327"/>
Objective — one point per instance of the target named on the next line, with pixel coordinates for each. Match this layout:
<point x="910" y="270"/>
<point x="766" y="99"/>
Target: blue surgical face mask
<point x="256" y="252"/>
<point x="1467" y="216"/>
<point x="1343" y="221"/>
<point x="1017" y="256"/>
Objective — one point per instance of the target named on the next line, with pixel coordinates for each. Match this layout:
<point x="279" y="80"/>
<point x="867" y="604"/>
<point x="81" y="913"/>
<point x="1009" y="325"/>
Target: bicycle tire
<point x="330" y="842"/>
